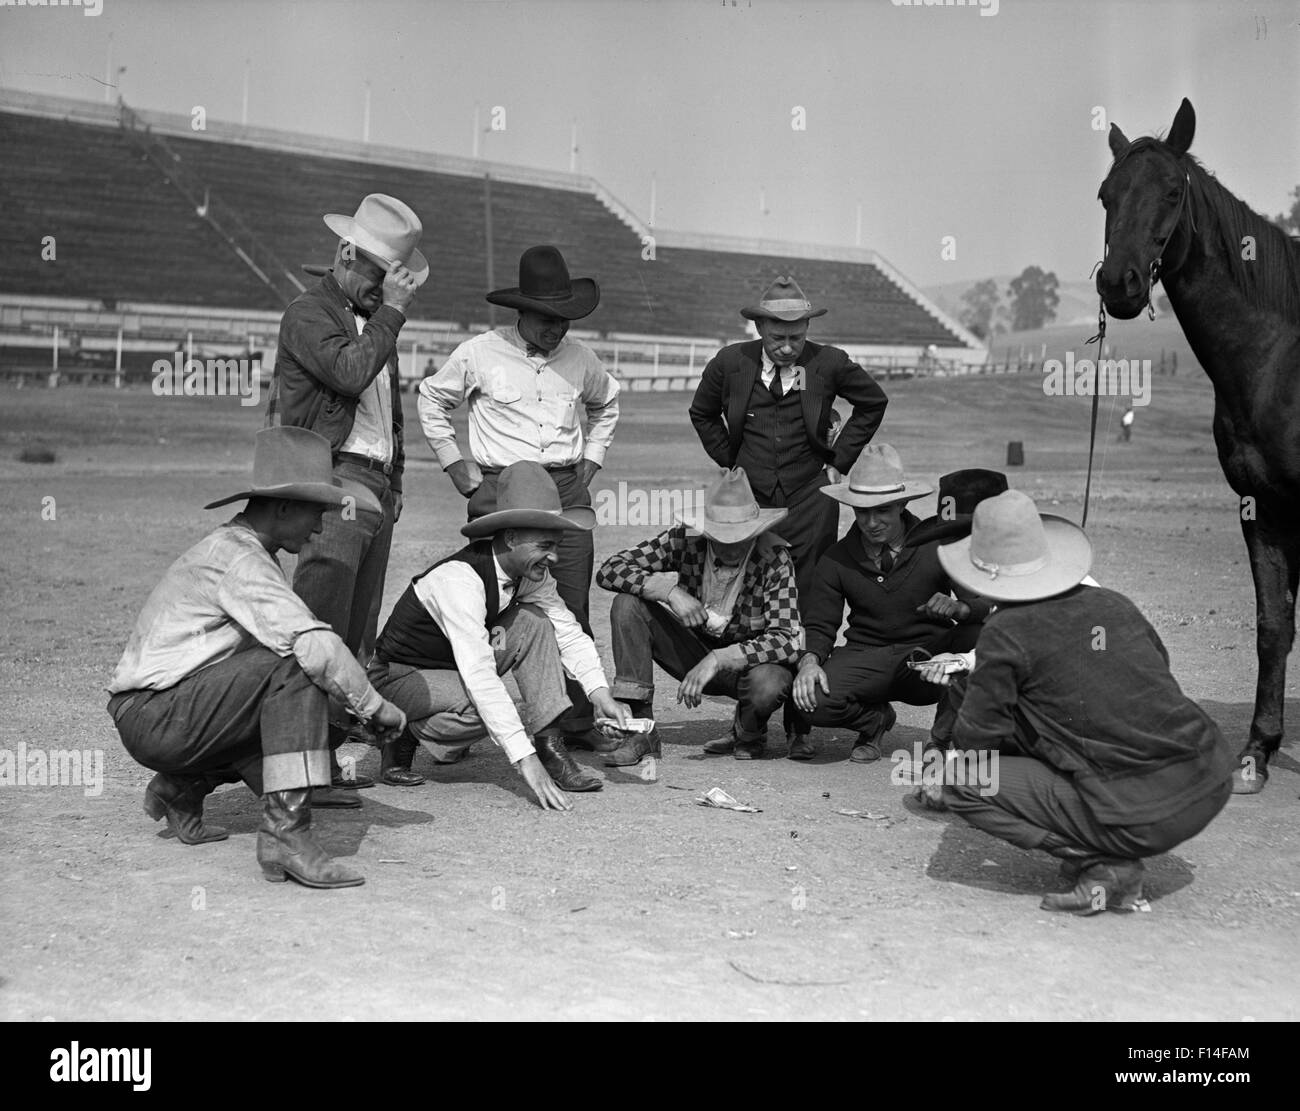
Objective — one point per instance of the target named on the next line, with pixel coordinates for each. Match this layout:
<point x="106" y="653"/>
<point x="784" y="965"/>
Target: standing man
<point x="336" y="373"/>
<point x="527" y="385"/>
<point x="766" y="405"/>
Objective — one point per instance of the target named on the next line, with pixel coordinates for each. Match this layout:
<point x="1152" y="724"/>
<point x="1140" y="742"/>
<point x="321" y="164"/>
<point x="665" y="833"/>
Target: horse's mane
<point x="1271" y="280"/>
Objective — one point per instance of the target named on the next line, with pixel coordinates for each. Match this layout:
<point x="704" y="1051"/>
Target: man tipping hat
<point x="728" y="623"/>
<point x="336" y="373"/>
<point x="900" y="604"/>
<point x="1102" y="760"/>
<point x="767" y="405"/>
<point x="528" y="385"/>
<point x="489" y="608"/>
<point x="228" y="675"/>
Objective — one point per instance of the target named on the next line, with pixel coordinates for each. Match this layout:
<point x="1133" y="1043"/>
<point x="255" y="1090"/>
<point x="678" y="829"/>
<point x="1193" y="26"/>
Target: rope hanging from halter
<point x="1100" y="338"/>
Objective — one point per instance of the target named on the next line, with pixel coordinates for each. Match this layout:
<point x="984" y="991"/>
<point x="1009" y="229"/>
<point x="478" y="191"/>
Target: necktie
<point x="886" y="559"/>
<point x="775" y="385"/>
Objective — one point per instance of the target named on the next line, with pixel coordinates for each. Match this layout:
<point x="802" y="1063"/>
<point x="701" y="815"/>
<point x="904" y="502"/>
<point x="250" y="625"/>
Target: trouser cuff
<point x="292" y="771"/>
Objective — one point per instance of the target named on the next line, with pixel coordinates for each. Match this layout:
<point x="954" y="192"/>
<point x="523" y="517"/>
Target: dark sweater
<point x="882" y="607"/>
<point x="1091" y="677"/>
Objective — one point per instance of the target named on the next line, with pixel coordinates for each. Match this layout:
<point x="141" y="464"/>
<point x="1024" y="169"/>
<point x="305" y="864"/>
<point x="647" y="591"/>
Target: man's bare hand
<point x="606" y="706"/>
<point x="466" y="476"/>
<point x="388" y="722"/>
<point x="688" y="609"/>
<point x="399" y="287"/>
<point x="941" y="668"/>
<point x="397" y="506"/>
<point x="586" y="471"/>
<point x="543" y="787"/>
<point x="692" y="689"/>
<point x="944" y="607"/>
<point x="810" y="677"/>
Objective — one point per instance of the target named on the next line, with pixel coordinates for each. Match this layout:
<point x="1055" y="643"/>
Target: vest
<point x="774" y="449"/>
<point x="411" y="636"/>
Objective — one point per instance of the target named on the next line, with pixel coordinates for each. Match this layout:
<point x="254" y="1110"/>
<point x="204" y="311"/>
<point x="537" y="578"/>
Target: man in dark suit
<point x="766" y="405"/>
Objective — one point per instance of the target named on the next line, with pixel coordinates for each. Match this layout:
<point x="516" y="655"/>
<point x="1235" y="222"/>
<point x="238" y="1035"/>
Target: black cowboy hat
<point x="959" y="493"/>
<point x="545" y="287"/>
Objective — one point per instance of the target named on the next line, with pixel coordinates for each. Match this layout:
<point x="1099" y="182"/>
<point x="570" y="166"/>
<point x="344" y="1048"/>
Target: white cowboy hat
<point x="1016" y="554"/>
<point x="876" y="479"/>
<point x="731" y="514"/>
<point x="386" y="229"/>
<point x="296" y="464"/>
<point x="527" y="498"/>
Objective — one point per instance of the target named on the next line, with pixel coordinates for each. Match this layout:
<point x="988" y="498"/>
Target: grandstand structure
<point x="128" y="236"/>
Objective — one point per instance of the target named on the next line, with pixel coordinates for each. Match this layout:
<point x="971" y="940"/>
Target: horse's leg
<point x="1274" y="548"/>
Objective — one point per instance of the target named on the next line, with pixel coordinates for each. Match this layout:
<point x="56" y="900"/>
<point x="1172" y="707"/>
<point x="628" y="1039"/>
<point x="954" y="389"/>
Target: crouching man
<point x="1102" y="758"/>
<point x="713" y="602"/>
<point x="228" y="675"/>
<point x="490" y="608"/>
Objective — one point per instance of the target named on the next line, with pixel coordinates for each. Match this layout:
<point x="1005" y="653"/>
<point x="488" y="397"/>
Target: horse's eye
<point x="1173" y="194"/>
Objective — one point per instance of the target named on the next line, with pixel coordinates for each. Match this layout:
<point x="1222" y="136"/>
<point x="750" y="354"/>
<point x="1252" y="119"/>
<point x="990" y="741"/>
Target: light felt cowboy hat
<point x="527" y="498"/>
<point x="783" y="300"/>
<point x="877" y="479"/>
<point x="959" y="493"/>
<point x="545" y="287"/>
<point x="1016" y="554"/>
<point x="296" y="463"/>
<point x="731" y="514"/>
<point x="387" y="230"/>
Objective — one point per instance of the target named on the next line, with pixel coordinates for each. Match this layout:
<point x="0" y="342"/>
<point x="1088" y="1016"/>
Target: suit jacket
<point x="323" y="365"/>
<point x="721" y="398"/>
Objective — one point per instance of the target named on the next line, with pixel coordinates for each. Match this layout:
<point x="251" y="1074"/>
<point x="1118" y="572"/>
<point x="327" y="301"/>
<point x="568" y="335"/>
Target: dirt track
<point x="638" y="904"/>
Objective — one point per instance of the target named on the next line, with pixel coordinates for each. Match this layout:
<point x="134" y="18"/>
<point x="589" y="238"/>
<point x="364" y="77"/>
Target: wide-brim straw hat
<point x="527" y="498"/>
<point x="386" y="229"/>
<point x="297" y="464"/>
<point x="1016" y="554"/>
<point x="782" y="300"/>
<point x="731" y="513"/>
<point x="959" y="493"/>
<point x="877" y="478"/>
<point x="545" y="287"/>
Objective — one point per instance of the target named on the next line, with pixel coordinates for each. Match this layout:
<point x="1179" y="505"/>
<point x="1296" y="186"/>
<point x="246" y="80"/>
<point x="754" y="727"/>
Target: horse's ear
<point x="1180" y="135"/>
<point x="1118" y="141"/>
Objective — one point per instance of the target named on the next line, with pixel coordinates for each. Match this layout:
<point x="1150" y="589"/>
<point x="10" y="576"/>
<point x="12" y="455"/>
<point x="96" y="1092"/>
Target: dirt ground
<point x="639" y="904"/>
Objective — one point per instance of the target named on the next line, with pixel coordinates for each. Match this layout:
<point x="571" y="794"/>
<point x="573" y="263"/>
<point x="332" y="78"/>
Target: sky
<point x="986" y="124"/>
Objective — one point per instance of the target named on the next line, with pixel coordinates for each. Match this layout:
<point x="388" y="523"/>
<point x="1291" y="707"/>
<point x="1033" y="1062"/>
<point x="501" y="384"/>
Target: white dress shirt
<point x="454" y="597"/>
<point x="789" y="374"/>
<point x="372" y="429"/>
<point x="521" y="407"/>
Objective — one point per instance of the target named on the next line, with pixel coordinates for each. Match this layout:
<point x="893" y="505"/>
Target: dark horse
<point x="1233" y="280"/>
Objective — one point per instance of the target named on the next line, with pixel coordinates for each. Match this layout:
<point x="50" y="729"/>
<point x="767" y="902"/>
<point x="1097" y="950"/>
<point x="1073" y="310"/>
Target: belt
<point x="365" y="461"/>
<point x="545" y="466"/>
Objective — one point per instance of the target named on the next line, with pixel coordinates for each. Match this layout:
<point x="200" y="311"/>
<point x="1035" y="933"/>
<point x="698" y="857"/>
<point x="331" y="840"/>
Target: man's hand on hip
<point x="466" y="476"/>
<point x="399" y="287"/>
<point x="543" y="787"/>
<point x="586" y="471"/>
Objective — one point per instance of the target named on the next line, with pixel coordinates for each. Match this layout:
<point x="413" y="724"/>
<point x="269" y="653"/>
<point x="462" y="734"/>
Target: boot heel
<point x="154" y="806"/>
<point x="274" y="873"/>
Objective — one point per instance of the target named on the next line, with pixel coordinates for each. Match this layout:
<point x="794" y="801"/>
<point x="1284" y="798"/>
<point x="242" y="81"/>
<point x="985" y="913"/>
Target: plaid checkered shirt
<point x="765" y="623"/>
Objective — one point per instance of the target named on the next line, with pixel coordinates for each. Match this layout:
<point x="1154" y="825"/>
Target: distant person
<point x="490" y="608"/>
<point x="766" y="405"/>
<point x="1102" y="758"/>
<point x="726" y="624"/>
<point x="528" y="385"/>
<point x="228" y="675"/>
<point x="336" y="373"/>
<point x="1126" y="425"/>
<point x="901" y="608"/>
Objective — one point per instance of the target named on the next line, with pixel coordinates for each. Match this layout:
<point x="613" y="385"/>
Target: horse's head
<point x="1143" y="195"/>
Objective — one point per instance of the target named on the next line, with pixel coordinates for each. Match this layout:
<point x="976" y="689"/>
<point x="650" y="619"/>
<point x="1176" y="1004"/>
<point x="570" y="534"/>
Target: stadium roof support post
<point x="487" y="232"/>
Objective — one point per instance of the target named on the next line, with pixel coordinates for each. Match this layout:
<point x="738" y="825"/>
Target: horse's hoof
<point x="1248" y="780"/>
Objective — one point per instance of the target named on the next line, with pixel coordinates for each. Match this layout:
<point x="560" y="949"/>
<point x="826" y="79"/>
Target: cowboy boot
<point x="1107" y="883"/>
<point x="179" y="799"/>
<point x="285" y="846"/>
<point x="395" y="760"/>
<point x="560" y="765"/>
<point x="1074" y="858"/>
